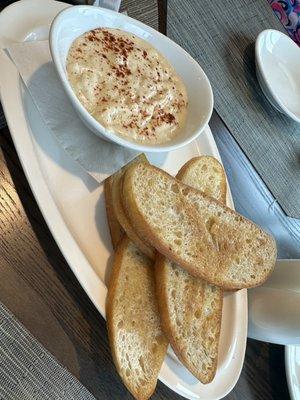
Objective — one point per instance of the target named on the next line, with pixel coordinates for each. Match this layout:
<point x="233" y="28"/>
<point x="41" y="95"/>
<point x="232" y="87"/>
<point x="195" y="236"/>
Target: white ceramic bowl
<point x="278" y="71"/>
<point x="74" y="21"/>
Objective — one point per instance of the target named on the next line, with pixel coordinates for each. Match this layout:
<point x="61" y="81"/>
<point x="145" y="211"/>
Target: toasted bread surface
<point x="190" y="308"/>
<point x="137" y="341"/>
<point x="206" y="174"/>
<point x="191" y="315"/>
<point x="206" y="238"/>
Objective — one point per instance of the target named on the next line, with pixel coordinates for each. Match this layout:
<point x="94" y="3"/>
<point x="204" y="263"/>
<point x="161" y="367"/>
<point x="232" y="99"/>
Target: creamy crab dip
<point x="127" y="85"/>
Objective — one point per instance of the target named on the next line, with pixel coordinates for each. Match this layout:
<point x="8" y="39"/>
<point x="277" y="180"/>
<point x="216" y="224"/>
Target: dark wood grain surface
<point x="39" y="288"/>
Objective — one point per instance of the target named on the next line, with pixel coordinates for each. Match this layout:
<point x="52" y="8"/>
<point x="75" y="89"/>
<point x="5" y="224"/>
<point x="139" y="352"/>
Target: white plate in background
<point x="73" y="206"/>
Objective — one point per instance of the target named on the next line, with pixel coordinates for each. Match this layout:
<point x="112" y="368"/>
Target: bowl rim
<point x="259" y="64"/>
<point x="92" y="122"/>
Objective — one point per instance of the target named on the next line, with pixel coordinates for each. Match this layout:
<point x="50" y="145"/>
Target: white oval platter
<point x="72" y="203"/>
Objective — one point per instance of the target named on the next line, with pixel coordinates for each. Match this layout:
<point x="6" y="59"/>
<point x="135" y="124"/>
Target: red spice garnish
<point x="168" y="118"/>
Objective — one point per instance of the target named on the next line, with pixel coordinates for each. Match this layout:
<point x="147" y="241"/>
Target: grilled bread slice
<point x="136" y="339"/>
<point x="206" y="238"/>
<point x="190" y="308"/>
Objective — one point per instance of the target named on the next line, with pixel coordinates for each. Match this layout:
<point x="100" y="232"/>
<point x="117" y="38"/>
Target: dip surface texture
<point x="127" y="85"/>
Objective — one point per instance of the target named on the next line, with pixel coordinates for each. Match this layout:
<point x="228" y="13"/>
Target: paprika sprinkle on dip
<point x="127" y="85"/>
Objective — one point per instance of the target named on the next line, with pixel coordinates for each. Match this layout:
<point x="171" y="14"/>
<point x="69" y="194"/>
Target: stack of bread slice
<point x="177" y="248"/>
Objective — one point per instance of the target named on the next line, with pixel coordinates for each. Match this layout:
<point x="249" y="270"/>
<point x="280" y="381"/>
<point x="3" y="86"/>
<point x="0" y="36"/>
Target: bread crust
<point x="114" y="212"/>
<point x="115" y="229"/>
<point x="117" y="219"/>
<point x="142" y="227"/>
<point x="126" y="225"/>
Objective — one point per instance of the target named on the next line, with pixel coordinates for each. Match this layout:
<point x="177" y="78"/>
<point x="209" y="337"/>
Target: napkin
<point x="98" y="157"/>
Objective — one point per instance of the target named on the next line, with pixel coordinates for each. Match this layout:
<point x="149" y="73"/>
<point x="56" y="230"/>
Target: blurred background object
<point x="288" y="12"/>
